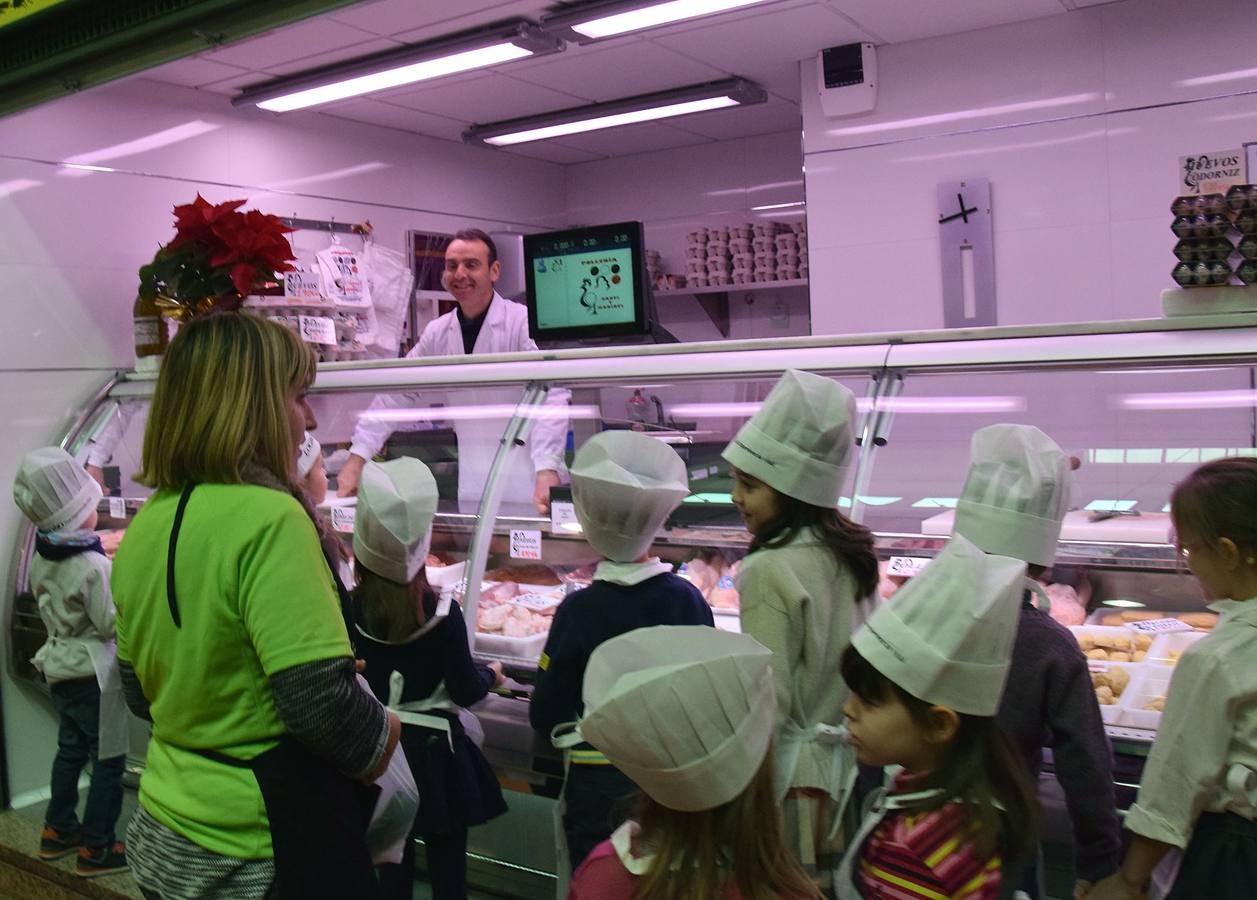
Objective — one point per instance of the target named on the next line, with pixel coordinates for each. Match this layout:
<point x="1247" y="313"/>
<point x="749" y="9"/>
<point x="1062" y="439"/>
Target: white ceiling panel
<point x="487" y="98"/>
<point x="743" y="121"/>
<point x="616" y="69"/>
<point x="349" y="51"/>
<point x="388" y="17"/>
<point x="634" y="139"/>
<point x="195" y="72"/>
<point x="908" y="20"/>
<point x="375" y="112"/>
<point x="550" y="151"/>
<point x="318" y="35"/>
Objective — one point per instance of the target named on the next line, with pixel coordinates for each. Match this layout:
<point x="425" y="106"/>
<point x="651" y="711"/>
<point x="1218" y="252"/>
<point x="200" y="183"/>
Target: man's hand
<point x="349" y="476"/>
<point x="546" y="479"/>
<point x="496" y="668"/>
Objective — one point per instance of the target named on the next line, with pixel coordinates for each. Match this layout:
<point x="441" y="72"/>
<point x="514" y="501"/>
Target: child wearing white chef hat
<point x="926" y="674"/>
<point x="800" y="591"/>
<point x="418" y="662"/>
<point x="624" y="486"/>
<point x="69" y="576"/>
<point x="311" y="473"/>
<point x="689" y="714"/>
<point x="1015" y="495"/>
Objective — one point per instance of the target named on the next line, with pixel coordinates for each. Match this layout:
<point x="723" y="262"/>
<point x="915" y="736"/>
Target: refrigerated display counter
<point x="1139" y="403"/>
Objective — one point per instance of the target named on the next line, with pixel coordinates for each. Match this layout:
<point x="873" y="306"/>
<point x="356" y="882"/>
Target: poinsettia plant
<point x="217" y="256"/>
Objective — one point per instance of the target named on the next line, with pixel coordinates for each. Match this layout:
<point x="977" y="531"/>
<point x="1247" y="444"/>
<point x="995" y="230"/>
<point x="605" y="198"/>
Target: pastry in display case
<point x="1127" y="405"/>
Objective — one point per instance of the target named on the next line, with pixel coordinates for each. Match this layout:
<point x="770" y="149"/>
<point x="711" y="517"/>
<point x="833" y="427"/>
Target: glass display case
<point x="1138" y="404"/>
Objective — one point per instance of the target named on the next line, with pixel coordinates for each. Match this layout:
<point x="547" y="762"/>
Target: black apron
<point x="318" y="816"/>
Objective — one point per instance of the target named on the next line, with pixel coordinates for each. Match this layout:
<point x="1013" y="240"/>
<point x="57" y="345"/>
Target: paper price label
<point x="1160" y="626"/>
<point x="906" y="566"/>
<point x="343" y="519"/>
<point x="302" y="286"/>
<point x="318" y="330"/>
<point x="563" y="517"/>
<point x="525" y="544"/>
<point x="117" y="508"/>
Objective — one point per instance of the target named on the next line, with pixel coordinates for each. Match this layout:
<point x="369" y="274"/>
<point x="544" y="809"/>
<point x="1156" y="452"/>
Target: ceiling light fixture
<point x="599" y="21"/>
<point x="628" y="111"/>
<point x="405" y="65"/>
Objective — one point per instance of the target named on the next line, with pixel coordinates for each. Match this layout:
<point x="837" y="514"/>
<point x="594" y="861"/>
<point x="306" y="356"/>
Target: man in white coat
<point x="484" y="322"/>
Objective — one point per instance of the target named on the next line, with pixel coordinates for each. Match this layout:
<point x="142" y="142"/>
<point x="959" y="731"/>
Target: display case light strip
<point x="615" y="120"/>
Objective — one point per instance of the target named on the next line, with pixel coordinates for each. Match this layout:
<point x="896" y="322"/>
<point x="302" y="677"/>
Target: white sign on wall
<point x="1211" y="173"/>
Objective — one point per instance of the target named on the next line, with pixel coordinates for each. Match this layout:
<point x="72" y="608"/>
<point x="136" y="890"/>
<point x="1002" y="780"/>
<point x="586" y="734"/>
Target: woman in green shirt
<point x="231" y="641"/>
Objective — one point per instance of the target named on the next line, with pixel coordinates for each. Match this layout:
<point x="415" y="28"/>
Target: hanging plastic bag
<point x="392" y="283"/>
<point x="395" y="810"/>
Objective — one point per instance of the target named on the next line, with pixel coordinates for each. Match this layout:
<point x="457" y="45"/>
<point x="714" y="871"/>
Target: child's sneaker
<point x="101" y="861"/>
<point x="55" y="844"/>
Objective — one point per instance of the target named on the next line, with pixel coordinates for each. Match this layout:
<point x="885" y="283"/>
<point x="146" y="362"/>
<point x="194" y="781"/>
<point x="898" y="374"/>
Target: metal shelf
<point x="734" y="288"/>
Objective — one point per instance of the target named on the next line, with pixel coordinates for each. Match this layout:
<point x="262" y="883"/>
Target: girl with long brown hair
<point x="800" y="591"/>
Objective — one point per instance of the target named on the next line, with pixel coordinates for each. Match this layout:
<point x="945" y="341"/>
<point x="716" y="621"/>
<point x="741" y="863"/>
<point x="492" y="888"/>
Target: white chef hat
<point x="947" y="636"/>
<point x="307" y="455"/>
<point x="685" y="711"/>
<point x="1016" y="493"/>
<point x="800" y="440"/>
<point x="54" y="491"/>
<point x="624" y="485"/>
<point x="393" y="524"/>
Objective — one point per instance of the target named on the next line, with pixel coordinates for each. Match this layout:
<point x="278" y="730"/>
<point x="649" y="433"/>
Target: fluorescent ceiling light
<point x="1111" y="505"/>
<point x="627" y="111"/>
<point x="795" y="205"/>
<point x="628" y="118"/>
<point x="1192" y="400"/>
<point x="1123" y="603"/>
<point x="610" y="19"/>
<point x="1218" y="78"/>
<point x="500" y="411"/>
<point x="405" y="65"/>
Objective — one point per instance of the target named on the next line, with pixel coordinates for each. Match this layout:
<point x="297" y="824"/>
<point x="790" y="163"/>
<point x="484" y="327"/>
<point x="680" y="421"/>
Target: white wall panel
<point x="1080" y="189"/>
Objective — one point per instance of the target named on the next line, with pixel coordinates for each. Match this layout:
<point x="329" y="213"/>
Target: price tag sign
<point x="906" y="566"/>
<point x="302" y="286"/>
<point x="525" y="544"/>
<point x="318" y="330"/>
<point x="343" y="519"/>
<point x="563" y="518"/>
<point x="117" y="508"/>
<point x="1160" y="626"/>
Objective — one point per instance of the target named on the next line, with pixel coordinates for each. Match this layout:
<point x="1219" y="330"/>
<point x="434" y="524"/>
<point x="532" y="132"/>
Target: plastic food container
<point x="443" y="578"/>
<point x="1147" y="684"/>
<point x="1111" y="713"/>
<point x="1167" y="648"/>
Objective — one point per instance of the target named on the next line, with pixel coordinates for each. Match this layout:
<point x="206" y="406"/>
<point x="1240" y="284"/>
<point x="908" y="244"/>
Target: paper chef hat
<point x="686" y="712"/>
<point x="800" y="440"/>
<point x="1016" y="493"/>
<point x="393" y="524"/>
<point x="947" y="636"/>
<point x="54" y="491"/>
<point x="309" y="452"/>
<point x="624" y="484"/>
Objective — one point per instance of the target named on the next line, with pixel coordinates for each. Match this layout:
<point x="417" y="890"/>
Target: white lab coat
<point x="505" y="330"/>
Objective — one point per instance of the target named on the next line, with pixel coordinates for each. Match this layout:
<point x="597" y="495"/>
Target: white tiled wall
<point x="1049" y="111"/>
<point x="73" y="241"/>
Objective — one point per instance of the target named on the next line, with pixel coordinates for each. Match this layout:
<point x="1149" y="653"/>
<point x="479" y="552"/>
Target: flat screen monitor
<point x="587" y="283"/>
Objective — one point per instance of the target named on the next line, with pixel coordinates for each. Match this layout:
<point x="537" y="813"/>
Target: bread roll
<point x="1119" y="656"/>
<point x="1097" y="653"/>
<point x="1205" y="620"/>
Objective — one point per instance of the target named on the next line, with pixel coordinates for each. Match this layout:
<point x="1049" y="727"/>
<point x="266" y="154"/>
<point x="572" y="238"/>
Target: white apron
<point x="478" y="442"/>
<point x="880" y="803"/>
<point x="839" y="778"/>
<point x="114" y="737"/>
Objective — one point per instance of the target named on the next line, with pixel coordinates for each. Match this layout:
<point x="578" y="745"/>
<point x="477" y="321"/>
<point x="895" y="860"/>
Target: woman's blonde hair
<point x="390" y="611"/>
<point x="697" y="853"/>
<point x="221" y="401"/>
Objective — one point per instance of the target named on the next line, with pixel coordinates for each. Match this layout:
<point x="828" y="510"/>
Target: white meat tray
<point x="1149" y="682"/>
<point x="1146" y="528"/>
<point x="1112" y="713"/>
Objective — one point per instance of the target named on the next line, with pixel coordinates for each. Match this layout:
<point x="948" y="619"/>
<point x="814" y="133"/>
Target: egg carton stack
<point x="742" y="253"/>
<point x="707" y="259"/>
<point x="1204" y="226"/>
<point x="780" y="251"/>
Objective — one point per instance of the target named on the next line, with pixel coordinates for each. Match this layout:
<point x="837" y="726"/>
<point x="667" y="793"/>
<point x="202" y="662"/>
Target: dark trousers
<point x="78" y="704"/>
<point x="598" y="799"/>
<point x="447" y="868"/>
